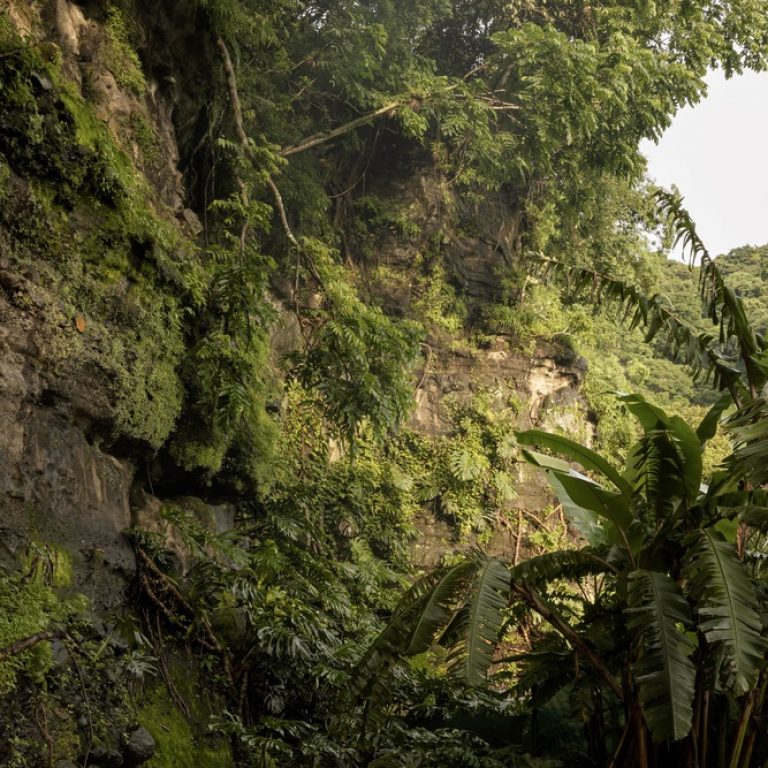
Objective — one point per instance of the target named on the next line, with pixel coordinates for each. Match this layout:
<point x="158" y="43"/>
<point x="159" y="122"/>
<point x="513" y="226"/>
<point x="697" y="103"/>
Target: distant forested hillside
<point x="619" y="358"/>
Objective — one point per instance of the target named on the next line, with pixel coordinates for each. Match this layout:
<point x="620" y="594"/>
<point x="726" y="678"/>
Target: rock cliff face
<point x="68" y="458"/>
<point x="90" y="337"/>
<point x="70" y="327"/>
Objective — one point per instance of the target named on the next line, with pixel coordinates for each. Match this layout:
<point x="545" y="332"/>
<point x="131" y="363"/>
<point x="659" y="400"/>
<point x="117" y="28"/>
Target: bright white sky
<point x="717" y="154"/>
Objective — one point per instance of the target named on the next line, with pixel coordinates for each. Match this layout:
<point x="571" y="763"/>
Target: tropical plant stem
<point x="536" y="603"/>
<point x="741" y="729"/>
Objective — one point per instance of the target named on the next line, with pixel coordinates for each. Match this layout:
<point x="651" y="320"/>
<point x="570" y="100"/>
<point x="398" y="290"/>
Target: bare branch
<point x="325" y="136"/>
<point x="19" y="646"/>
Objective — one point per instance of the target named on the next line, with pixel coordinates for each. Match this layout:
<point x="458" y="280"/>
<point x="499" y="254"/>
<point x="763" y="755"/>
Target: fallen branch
<point x="19" y="646"/>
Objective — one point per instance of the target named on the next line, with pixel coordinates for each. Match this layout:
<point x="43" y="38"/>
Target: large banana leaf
<point x="567" y="564"/>
<point x="577" y="493"/>
<point x="708" y="426"/>
<point x="474" y="635"/>
<point x="670" y="431"/>
<point x="575" y="452"/>
<point x="395" y="638"/>
<point x="443" y="602"/>
<point x="665" y="675"/>
<point x="727" y="608"/>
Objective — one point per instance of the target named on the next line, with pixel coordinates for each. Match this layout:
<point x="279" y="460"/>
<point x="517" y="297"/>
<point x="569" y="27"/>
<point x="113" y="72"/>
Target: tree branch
<point x="15" y="648"/>
<point x="324" y="136"/>
<point x="245" y="143"/>
<point x="537" y="604"/>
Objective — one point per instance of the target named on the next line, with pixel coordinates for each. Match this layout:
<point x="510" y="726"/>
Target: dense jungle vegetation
<point x="629" y="632"/>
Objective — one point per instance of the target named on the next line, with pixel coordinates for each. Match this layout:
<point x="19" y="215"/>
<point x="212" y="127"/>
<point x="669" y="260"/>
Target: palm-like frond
<point x="727" y="607"/>
<point x="567" y="564"/>
<point x="442" y="605"/>
<point x="722" y="305"/>
<point x="700" y="352"/>
<point x="665" y="675"/>
<point x="656" y="472"/>
<point x="475" y="633"/>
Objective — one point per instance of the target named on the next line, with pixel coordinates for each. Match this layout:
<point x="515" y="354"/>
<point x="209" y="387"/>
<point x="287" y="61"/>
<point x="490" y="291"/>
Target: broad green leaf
<point x="649" y="416"/>
<point x="574" y="490"/>
<point x="441" y="606"/>
<point x="395" y="638"/>
<point x="657" y="424"/>
<point x="544" y="461"/>
<point x="727" y="608"/>
<point x="567" y="564"/>
<point x="475" y="635"/>
<point x="575" y="452"/>
<point x="664" y="672"/>
<point x="708" y="426"/>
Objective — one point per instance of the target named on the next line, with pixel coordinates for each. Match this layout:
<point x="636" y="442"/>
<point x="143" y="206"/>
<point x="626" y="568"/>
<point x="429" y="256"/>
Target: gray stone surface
<point x="139" y="748"/>
<point x="56" y="485"/>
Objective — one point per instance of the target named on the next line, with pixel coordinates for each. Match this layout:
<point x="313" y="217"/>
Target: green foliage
<point x="227" y="373"/>
<point x="127" y="270"/>
<point x="549" y="102"/>
<point x="176" y="743"/>
<point x="470" y="474"/>
<point x="475" y="631"/>
<point x="358" y="360"/>
<point x="437" y="304"/>
<point x="30" y="602"/>
<point x="674" y="604"/>
<point x="665" y="674"/>
<point x="121" y="56"/>
<point x="728" y="610"/>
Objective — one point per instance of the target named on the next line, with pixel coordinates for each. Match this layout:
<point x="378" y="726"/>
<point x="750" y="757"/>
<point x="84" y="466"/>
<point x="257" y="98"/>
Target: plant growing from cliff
<point x="357" y="359"/>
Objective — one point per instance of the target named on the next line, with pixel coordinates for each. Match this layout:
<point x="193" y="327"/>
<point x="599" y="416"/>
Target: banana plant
<point x="688" y="623"/>
<point x="674" y="640"/>
<point x="672" y="650"/>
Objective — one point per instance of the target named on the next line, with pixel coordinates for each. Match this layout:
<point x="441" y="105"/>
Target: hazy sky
<point x="717" y="154"/>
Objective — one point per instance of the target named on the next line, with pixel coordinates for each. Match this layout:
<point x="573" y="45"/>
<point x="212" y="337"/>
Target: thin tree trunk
<point x="741" y="730"/>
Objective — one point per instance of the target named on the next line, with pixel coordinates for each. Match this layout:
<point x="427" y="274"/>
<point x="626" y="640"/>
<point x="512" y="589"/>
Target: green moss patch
<point x="180" y="744"/>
